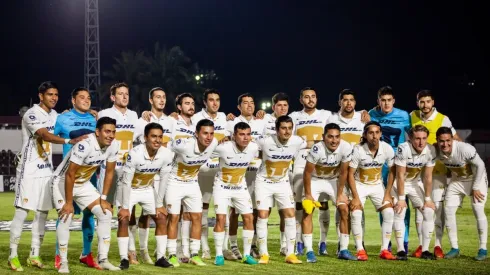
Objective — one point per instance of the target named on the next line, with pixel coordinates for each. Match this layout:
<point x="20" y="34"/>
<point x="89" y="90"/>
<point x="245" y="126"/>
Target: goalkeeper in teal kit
<point x="395" y="123"/>
<point x="77" y="122"/>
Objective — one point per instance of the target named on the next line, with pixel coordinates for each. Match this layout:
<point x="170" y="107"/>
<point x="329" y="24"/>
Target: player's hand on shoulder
<point x="78" y="139"/>
<point x="230" y="116"/>
<point x="225" y="139"/>
<point x="260" y="114"/>
<point x="365" y="117"/>
<point x="174" y="115"/>
<point x="146" y="116"/>
<point x="94" y="113"/>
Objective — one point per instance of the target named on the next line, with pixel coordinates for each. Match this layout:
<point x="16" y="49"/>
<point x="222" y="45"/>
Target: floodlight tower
<point x="92" y="50"/>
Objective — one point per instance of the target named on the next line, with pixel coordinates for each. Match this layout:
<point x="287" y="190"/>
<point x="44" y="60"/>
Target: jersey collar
<point x="378" y="153"/>
<point x="431" y="117"/>
<point x="235" y="148"/>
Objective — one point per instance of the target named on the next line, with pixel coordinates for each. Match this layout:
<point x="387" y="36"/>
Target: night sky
<point x="265" y="47"/>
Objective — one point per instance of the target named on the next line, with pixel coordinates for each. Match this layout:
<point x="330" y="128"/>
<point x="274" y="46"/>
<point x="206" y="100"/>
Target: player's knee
<point x="263" y="214"/>
<point x="221" y="219"/>
<point x="342" y="211"/>
<point x="388" y="214"/>
<point x="247" y="218"/>
<point x="124" y="223"/>
<point x="479" y="211"/>
<point x="195" y="217"/>
<point x="428" y="214"/>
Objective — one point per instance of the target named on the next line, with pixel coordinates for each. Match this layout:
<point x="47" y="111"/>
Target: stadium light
<point x="197" y="77"/>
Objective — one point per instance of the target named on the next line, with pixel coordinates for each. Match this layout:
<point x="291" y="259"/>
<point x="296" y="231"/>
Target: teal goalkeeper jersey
<point x="73" y="124"/>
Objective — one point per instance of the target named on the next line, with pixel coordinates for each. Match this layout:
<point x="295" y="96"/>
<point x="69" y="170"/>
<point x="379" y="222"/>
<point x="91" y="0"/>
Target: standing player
<point x="144" y="162"/>
<point x="395" y="124"/>
<point x="230" y="188"/>
<point x="182" y="187"/>
<point x="272" y="183"/>
<point x="75" y="123"/>
<point x="428" y="116"/>
<point x="71" y="183"/>
<point x="246" y="105"/>
<point x="469" y="178"/>
<point x="414" y="159"/>
<point x="32" y="190"/>
<point x="364" y="179"/>
<point x="126" y="123"/>
<point x="327" y="166"/>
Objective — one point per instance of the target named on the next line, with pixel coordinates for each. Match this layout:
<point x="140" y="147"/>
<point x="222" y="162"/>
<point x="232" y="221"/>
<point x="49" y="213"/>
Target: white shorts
<point x="375" y="192"/>
<point x="145" y="197"/>
<point x="457" y="190"/>
<point x="325" y="187"/>
<point x="413" y="190"/>
<point x="84" y="194"/>
<point x="206" y="179"/>
<point x="34" y="194"/>
<point x="236" y="196"/>
<point x="439" y="185"/>
<point x="267" y="191"/>
<point x="188" y="193"/>
<point x="112" y="195"/>
<point x="298" y="169"/>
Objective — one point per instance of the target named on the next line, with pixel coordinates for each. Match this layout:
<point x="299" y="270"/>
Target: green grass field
<point x="468" y="241"/>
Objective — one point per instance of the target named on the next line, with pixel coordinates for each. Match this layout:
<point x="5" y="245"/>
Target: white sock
<point x="38" y="229"/>
<point x="226" y="239"/>
<point x="290" y="232"/>
<point x="387" y="227"/>
<point x="262" y="235"/>
<point x="452" y="229"/>
<point x="172" y="246"/>
<point x="186" y="228"/>
<point x="427" y="227"/>
<point x="439" y="222"/>
<point x="308" y="241"/>
<point x="283" y="238"/>
<point x="234" y="240"/>
<point x="143" y="235"/>
<point x="63" y="235"/>
<point x="399" y="225"/>
<point x="481" y="224"/>
<point x="247" y="236"/>
<point x="218" y="242"/>
<point x="344" y="241"/>
<point x="103" y="231"/>
<point x="356" y="218"/>
<point x="204" y="230"/>
<point x="195" y="245"/>
<point x="161" y="245"/>
<point x="324" y="221"/>
<point x="132" y="240"/>
<point x="16" y="230"/>
<point x="299" y="232"/>
<point x="123" y="244"/>
<point x="419" y="217"/>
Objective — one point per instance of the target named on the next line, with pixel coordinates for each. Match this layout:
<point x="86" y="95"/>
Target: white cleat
<point x="206" y="254"/>
<point x="145" y="257"/>
<point x="106" y="265"/>
<point x="229" y="255"/>
<point x="237" y="253"/>
<point x="64" y="268"/>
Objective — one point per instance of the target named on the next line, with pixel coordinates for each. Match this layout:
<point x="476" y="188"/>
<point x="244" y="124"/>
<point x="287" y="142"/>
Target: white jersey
<point x="125" y="127"/>
<point x="36" y="156"/>
<point x="406" y="156"/>
<point x="220" y="123"/>
<point x="350" y="128"/>
<point x="164" y="121"/>
<point x="233" y="163"/>
<point x="464" y="162"/>
<point x="181" y="129"/>
<point x="369" y="166"/>
<point x="88" y="154"/>
<point x="276" y="157"/>
<point x="310" y="127"/>
<point x="188" y="159"/>
<point x="270" y="124"/>
<point x="257" y="126"/>
<point x="327" y="163"/>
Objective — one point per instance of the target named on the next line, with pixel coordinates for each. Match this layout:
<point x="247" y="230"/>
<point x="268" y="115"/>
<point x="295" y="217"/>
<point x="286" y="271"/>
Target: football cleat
<point x="206" y="254"/>
<point x="106" y="265"/>
<point x="162" y="262"/>
<point x="254" y="252"/>
<point x="35" y="262"/>
<point x="386" y="255"/>
<point x="482" y="255"/>
<point x="57" y="261"/>
<point x="219" y="260"/>
<point x="322" y="249"/>
<point x="15" y="265"/>
<point x="264" y="259"/>
<point x="310" y="257"/>
<point x="173" y="260"/>
<point x="124" y="264"/>
<point x="64" y="268"/>
<point x="89" y="261"/>
<point x="196" y="260"/>
<point x="401" y="255"/>
<point x="426" y="255"/>
<point x="345" y="255"/>
<point x="229" y="255"/>
<point x="292" y="259"/>
<point x="438" y="252"/>
<point x="300" y="248"/>
<point x="249" y="260"/>
<point x="145" y="257"/>
<point x="132" y="257"/>
<point x="283" y="251"/>
<point x="453" y="253"/>
<point x="417" y="253"/>
<point x="362" y="255"/>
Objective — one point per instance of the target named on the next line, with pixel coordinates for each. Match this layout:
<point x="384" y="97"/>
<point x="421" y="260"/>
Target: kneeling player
<point x="327" y="164"/>
<point x="469" y="179"/>
<point x="71" y="183"/>
<point x="230" y="187"/>
<point x="410" y="159"/>
<point x="143" y="163"/>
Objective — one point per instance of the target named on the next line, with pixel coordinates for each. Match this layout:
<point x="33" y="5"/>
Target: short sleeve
<point x="303" y="144"/>
<point x="33" y="122"/>
<point x="112" y="152"/>
<point x="79" y="152"/>
<point x="469" y="153"/>
<point x="131" y="162"/>
<point x="347" y="153"/>
<point x="390" y="156"/>
<point x="229" y="126"/>
<point x="354" y="162"/>
<point x="431" y="157"/>
<point x="446" y="122"/>
<point x="400" y="157"/>
<point x="314" y="155"/>
<point x="178" y="145"/>
<point x="260" y="142"/>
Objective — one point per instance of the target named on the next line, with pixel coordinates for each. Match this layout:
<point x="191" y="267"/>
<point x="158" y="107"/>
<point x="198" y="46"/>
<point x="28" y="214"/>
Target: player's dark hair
<point x="366" y="127"/>
<point x="346" y="92"/>
<point x="280" y="97"/>
<point x="46" y="85"/>
<point x="152" y="91"/>
<point x="117" y="86"/>
<point x="105" y="120"/>
<point x="241" y="126"/>
<point x="330" y="126"/>
<point x="424" y="93"/>
<point x="240" y="98"/>
<point x="208" y="92"/>
<point x="152" y="125"/>
<point x="76" y="91"/>
<point x="443" y="130"/>
<point x="386" y="90"/>
<point x="180" y="98"/>
<point x="283" y="119"/>
<point x="203" y="123"/>
<point x="306" y="89"/>
<point x="418" y="128"/>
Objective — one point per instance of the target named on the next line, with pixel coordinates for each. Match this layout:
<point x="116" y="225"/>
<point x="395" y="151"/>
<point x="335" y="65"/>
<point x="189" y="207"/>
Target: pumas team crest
<point x="26" y="200"/>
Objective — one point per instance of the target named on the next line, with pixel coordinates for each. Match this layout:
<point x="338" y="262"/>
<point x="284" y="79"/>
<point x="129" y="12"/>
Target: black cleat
<point x="124" y="264"/>
<point x="426" y="255"/>
<point x="162" y="262"/>
<point x="401" y="255"/>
